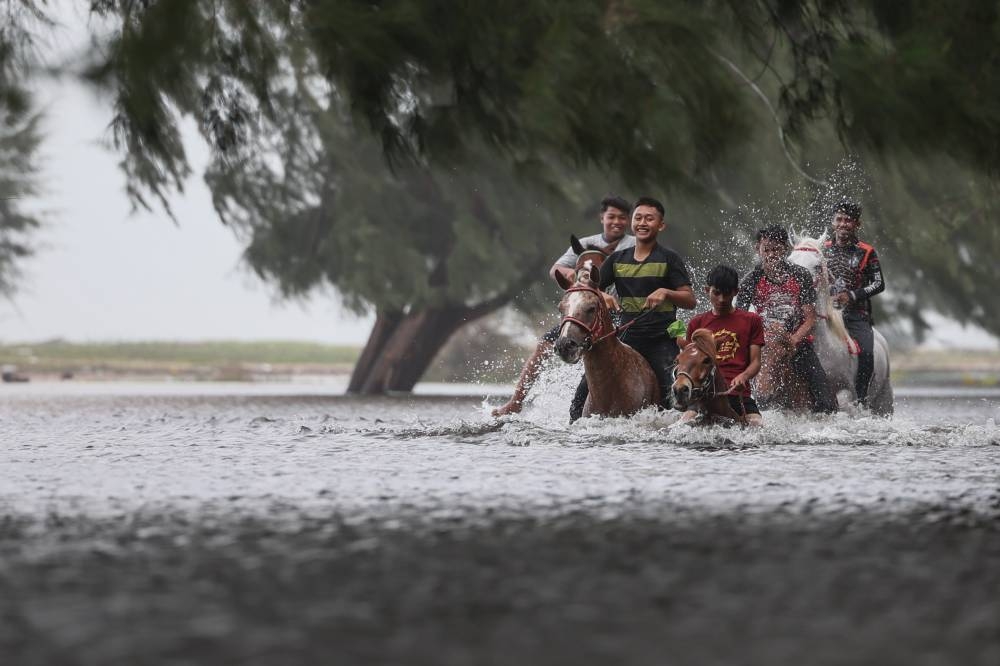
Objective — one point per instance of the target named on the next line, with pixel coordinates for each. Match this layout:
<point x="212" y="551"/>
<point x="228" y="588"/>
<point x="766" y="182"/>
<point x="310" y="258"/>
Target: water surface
<point x="242" y="523"/>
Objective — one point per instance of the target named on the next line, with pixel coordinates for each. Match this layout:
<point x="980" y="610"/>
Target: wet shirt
<point x="635" y="280"/>
<point x="568" y="259"/>
<point x="855" y="268"/>
<point x="778" y="300"/>
<point x="734" y="333"/>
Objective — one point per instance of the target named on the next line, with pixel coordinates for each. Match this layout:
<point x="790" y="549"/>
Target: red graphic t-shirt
<point x="734" y="333"/>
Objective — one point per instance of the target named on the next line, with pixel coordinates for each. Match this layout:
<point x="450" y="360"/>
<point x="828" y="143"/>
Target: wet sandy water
<point x="195" y="524"/>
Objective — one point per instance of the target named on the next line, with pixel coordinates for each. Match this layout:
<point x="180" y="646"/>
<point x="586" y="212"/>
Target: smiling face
<point x="615" y="222"/>
<point x="845" y="227"/>
<point x="646" y="223"/>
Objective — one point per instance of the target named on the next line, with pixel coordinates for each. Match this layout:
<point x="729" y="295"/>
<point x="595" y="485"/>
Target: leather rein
<point x="706" y="390"/>
<point x="596" y="332"/>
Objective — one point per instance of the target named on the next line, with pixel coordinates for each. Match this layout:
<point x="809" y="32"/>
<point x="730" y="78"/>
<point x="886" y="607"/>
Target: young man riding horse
<point x="783" y="294"/>
<point x="739" y="336"/>
<point x="855" y="277"/>
<point x="651" y="282"/>
<point x="614" y="223"/>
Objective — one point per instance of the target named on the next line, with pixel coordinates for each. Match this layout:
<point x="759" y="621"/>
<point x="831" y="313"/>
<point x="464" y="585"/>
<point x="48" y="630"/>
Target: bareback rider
<point x="614" y="223"/>
<point x="783" y="292"/>
<point x="855" y="277"/>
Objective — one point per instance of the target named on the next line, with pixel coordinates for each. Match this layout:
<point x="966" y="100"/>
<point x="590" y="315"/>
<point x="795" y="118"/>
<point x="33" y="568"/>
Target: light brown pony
<point x="777" y="384"/>
<point x="698" y="383"/>
<point x="619" y="378"/>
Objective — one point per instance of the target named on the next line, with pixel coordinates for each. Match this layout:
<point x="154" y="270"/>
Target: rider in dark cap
<point x="855" y="277"/>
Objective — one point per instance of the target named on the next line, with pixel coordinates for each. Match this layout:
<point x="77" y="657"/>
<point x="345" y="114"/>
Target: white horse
<point x="831" y="336"/>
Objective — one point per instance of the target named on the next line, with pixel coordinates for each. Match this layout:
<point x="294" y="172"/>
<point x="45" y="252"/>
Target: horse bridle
<point x="698" y="391"/>
<point x="595" y="332"/>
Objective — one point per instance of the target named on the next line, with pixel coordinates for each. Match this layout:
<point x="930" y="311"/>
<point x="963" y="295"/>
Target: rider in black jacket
<point x="855" y="277"/>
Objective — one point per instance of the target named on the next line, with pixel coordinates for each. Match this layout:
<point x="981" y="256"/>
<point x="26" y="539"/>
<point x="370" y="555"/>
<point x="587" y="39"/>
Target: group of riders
<point x="644" y="282"/>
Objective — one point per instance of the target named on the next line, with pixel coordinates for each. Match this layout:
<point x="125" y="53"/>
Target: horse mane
<point x="704" y="341"/>
<point x="834" y="317"/>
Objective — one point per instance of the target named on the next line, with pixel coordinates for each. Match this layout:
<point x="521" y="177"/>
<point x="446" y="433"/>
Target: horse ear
<point x="574" y="243"/>
<point x="823" y="237"/>
<point x="563" y="281"/>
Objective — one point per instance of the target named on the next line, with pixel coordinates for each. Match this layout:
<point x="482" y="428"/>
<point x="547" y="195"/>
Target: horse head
<point x="808" y="253"/>
<point x="695" y="372"/>
<point x="588" y="252"/>
<point x="585" y="318"/>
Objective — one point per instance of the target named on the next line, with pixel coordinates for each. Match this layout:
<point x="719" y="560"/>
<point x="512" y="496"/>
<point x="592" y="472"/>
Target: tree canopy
<point x="19" y="139"/>
<point x="397" y="149"/>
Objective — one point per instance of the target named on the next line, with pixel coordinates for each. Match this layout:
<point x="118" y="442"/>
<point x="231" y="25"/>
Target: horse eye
<point x="706" y="361"/>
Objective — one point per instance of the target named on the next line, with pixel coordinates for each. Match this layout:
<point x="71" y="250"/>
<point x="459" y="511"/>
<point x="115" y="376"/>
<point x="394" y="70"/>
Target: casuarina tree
<point x="400" y="150"/>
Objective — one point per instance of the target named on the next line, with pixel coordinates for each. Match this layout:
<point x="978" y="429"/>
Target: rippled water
<point x="286" y="523"/>
<point x="106" y="446"/>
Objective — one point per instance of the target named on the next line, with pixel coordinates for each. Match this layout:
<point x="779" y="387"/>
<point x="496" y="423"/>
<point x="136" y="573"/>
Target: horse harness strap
<point x="596" y="332"/>
<point x="702" y="391"/>
<point x="699" y="391"/>
<point x="743" y="408"/>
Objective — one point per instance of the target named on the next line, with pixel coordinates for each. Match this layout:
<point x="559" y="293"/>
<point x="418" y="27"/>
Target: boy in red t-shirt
<point x="739" y="335"/>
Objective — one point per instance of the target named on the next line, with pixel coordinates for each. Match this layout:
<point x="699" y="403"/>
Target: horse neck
<point x="824" y="306"/>
<point x="604" y="359"/>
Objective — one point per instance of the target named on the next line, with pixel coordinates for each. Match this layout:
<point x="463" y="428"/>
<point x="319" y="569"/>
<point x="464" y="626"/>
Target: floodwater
<point x="284" y="523"/>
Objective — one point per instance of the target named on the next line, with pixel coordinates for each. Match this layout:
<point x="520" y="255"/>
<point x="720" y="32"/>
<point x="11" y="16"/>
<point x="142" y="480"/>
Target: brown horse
<point x="698" y="385"/>
<point x="777" y="384"/>
<point x="620" y="379"/>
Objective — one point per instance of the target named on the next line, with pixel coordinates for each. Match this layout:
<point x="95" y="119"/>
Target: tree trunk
<point x="385" y="325"/>
<point x="398" y="353"/>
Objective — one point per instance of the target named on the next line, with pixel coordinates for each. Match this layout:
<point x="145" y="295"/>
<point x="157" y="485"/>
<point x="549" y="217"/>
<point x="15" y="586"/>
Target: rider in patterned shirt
<point x="856" y="276"/>
<point x="782" y="292"/>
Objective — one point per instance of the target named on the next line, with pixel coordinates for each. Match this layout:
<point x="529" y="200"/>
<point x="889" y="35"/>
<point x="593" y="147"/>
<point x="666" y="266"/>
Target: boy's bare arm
<point x="808" y="321"/>
<point x="751" y="371"/>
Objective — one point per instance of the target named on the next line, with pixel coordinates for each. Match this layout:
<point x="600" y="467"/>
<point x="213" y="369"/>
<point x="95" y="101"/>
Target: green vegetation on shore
<point x="476" y="356"/>
<point x="215" y="359"/>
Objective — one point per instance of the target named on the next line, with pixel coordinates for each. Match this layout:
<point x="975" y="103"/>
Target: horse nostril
<point x="565" y="345"/>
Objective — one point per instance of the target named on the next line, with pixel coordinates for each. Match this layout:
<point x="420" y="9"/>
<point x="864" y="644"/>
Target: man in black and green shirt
<point x="647" y="277"/>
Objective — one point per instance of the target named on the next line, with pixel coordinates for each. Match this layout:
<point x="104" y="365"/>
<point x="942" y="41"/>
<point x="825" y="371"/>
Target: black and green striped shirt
<point x="635" y="280"/>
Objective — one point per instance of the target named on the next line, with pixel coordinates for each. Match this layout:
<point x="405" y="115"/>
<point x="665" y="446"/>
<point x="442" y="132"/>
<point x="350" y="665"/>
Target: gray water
<point x="182" y="523"/>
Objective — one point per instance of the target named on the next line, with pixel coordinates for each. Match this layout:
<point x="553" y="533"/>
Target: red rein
<point x="596" y="332"/>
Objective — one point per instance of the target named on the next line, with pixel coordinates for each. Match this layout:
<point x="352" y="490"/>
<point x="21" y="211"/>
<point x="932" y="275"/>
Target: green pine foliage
<point x="19" y="137"/>
<point x="414" y="153"/>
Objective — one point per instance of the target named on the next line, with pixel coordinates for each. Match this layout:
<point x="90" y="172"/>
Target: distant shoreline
<point x="281" y="360"/>
<point x="215" y="360"/>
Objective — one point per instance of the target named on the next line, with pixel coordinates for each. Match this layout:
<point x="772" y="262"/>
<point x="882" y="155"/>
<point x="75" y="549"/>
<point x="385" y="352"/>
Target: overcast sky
<point x="104" y="274"/>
